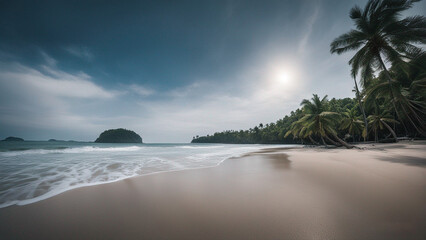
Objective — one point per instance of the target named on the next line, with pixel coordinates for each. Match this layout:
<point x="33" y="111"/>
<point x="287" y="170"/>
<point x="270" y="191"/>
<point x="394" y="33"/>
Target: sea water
<point x="33" y="171"/>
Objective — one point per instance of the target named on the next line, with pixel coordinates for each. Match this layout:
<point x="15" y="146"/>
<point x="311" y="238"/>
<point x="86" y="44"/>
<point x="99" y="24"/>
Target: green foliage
<point x="380" y="33"/>
<point x="119" y="135"/>
<point x="409" y="94"/>
<point x="351" y="122"/>
<point x="318" y="121"/>
<point x="272" y="133"/>
<point x="396" y="96"/>
<point x="379" y="121"/>
<point x="380" y="36"/>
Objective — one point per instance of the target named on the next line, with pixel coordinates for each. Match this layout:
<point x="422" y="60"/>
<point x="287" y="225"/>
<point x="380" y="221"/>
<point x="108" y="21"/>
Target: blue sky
<point x="168" y="70"/>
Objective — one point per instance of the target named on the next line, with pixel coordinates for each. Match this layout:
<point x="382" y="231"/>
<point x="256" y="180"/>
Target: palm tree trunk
<point x="313" y="141"/>
<point x="348" y="146"/>
<point x="422" y="132"/>
<point x="389" y="78"/>
<point x="333" y="142"/>
<point x="323" y="142"/>
<point x="390" y="130"/>
<point x="375" y="135"/>
<point x="358" y="96"/>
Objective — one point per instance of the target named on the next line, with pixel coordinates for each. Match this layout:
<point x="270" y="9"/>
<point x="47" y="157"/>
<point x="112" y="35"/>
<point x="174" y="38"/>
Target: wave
<point x="28" y="176"/>
<point x="199" y="147"/>
<point x="109" y="173"/>
<point x="86" y="149"/>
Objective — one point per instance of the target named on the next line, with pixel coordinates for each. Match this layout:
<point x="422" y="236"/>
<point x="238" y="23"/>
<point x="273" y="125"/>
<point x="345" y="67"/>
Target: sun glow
<point x="283" y="76"/>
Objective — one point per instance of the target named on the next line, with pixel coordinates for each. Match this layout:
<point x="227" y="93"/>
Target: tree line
<point x="389" y="74"/>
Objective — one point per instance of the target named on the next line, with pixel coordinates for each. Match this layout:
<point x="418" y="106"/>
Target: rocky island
<point x="119" y="135"/>
<point x="13" y="139"/>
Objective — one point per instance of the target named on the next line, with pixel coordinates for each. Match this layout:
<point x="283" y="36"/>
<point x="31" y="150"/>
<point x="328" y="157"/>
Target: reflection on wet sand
<point x="318" y="194"/>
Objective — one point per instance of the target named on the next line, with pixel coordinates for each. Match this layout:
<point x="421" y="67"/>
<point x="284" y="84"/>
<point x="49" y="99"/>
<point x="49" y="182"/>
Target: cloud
<point x="140" y="90"/>
<point x="310" y="24"/>
<point x="53" y="82"/>
<point x="54" y="103"/>
<point x="195" y="88"/>
<point x="81" y="52"/>
<point x="48" y="100"/>
<point x="49" y="60"/>
<point x="203" y="107"/>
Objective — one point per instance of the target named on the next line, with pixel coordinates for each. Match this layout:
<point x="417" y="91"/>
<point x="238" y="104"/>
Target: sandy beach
<point x="374" y="193"/>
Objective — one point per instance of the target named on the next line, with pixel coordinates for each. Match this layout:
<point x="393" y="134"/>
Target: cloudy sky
<point x="167" y="70"/>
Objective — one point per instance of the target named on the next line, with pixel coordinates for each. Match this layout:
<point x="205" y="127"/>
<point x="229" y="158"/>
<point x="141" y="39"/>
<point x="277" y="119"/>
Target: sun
<point x="283" y="77"/>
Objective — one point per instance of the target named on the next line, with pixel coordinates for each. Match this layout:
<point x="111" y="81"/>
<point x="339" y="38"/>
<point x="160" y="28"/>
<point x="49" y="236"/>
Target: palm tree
<point x="318" y="121"/>
<point x="381" y="34"/>
<point x="361" y="107"/>
<point x="409" y="87"/>
<point x="298" y="130"/>
<point x="351" y="123"/>
<point x="411" y="90"/>
<point x="379" y="121"/>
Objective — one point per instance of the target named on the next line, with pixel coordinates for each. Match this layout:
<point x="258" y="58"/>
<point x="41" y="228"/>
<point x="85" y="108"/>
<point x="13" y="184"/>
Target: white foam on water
<point x="199" y="147"/>
<point x="71" y="150"/>
<point x="32" y="175"/>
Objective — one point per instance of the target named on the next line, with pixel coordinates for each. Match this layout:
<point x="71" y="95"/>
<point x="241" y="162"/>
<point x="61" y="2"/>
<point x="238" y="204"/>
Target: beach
<point x="377" y="192"/>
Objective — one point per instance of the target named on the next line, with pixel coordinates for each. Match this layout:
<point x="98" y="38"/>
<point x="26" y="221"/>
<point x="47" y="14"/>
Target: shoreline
<point x="102" y="183"/>
<point x="377" y="193"/>
<point x="56" y="193"/>
<point x="363" y="146"/>
<point x="30" y="201"/>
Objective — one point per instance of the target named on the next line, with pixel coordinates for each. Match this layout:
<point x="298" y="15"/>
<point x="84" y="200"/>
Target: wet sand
<point x="374" y="193"/>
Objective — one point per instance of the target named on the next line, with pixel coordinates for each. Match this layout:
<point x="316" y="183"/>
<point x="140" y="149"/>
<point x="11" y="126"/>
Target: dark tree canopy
<point x="119" y="135"/>
<point x="273" y="133"/>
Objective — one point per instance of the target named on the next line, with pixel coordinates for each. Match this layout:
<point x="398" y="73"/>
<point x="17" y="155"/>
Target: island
<point x="119" y="135"/>
<point x="13" y="139"/>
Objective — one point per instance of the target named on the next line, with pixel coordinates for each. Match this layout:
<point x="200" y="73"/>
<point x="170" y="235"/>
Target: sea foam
<point x="44" y="170"/>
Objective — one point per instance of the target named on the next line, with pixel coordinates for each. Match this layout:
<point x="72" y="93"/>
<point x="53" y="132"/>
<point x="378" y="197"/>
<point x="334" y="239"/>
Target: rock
<point x="13" y="139"/>
<point x="119" y="135"/>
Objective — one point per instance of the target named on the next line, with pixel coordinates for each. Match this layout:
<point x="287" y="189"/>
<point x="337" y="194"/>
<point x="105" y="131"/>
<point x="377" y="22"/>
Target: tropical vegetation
<point x="389" y="63"/>
<point x="119" y="135"/>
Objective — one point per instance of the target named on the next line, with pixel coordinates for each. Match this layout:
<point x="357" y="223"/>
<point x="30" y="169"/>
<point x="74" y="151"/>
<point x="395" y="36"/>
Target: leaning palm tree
<point x="379" y="121"/>
<point x="317" y="121"/>
<point x="410" y="91"/>
<point x="361" y="107"/>
<point x="412" y="108"/>
<point x="298" y="130"/>
<point x="351" y="123"/>
<point x="381" y="34"/>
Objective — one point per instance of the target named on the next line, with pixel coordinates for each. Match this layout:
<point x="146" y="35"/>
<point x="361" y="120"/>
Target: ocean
<point x="31" y="171"/>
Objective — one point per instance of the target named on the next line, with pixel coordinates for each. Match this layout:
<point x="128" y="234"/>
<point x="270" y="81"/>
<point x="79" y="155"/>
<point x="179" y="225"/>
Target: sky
<point x="168" y="70"/>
